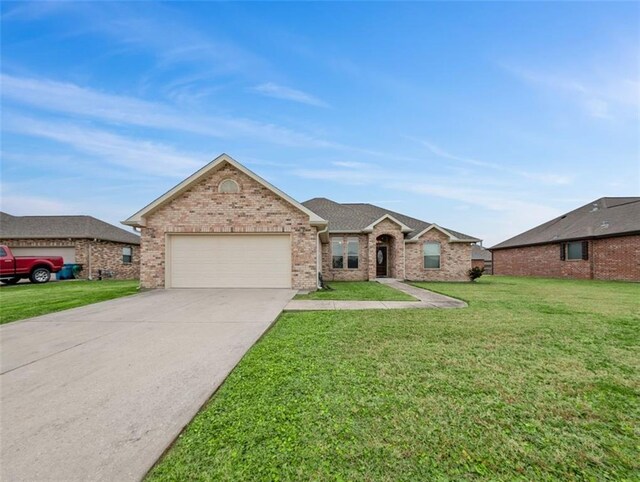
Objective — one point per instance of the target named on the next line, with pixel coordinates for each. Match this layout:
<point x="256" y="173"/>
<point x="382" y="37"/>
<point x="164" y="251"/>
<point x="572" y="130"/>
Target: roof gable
<point x="403" y="227"/>
<point x="452" y="237"/>
<point x="607" y="216"/>
<point x="138" y="218"/>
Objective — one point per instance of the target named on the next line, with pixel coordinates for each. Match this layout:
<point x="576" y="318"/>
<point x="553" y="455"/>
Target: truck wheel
<point x="40" y="275"/>
<point x="9" y="281"/>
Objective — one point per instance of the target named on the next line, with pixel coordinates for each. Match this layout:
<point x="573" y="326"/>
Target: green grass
<point x="357" y="290"/>
<point x="27" y="300"/>
<point x="537" y="379"/>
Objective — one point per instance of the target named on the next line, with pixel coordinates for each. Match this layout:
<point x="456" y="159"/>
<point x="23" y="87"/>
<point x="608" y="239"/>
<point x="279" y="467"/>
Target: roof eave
<point x="136" y="223"/>
<point x="98" y="238"/>
<point x="567" y="240"/>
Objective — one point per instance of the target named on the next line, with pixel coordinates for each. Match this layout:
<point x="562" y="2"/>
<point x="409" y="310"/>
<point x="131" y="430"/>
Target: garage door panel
<point x="230" y="261"/>
<point x="68" y="254"/>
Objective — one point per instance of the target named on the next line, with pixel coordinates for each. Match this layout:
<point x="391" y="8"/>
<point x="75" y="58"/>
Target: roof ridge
<point x="635" y="200"/>
<point x="52" y="216"/>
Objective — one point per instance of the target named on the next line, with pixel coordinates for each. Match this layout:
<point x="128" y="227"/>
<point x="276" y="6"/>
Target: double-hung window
<point x="575" y="250"/>
<point x="431" y="255"/>
<point x="353" y="246"/>
<point x="127" y="254"/>
<point x="345" y="253"/>
<point x="337" y="254"/>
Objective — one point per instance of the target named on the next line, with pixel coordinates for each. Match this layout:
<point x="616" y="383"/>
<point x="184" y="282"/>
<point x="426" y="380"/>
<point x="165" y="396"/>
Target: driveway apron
<point x="99" y="392"/>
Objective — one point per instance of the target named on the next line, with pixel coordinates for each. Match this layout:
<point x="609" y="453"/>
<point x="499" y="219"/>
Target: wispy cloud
<point x="286" y="93"/>
<point x="15" y="201"/>
<point x="68" y="98"/>
<point x="598" y="94"/>
<point x="545" y="178"/>
<point x="136" y="155"/>
<point x="161" y="31"/>
<point x="352" y="164"/>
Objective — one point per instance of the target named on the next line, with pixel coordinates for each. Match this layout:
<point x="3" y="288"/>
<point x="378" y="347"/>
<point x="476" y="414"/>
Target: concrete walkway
<point x="427" y="299"/>
<point x="99" y="392"/>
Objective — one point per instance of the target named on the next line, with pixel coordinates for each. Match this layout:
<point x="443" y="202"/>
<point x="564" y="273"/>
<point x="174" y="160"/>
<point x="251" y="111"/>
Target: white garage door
<point x="68" y="254"/>
<point x="229" y="261"/>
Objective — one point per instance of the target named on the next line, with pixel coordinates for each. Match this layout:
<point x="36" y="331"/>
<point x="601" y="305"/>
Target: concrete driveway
<point x="99" y="392"/>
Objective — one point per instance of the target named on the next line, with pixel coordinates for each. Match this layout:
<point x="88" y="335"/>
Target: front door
<point x="381" y="261"/>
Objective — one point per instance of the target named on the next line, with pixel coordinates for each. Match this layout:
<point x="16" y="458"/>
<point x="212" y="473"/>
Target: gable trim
<point x="138" y="219"/>
<point x="403" y="227"/>
<point x="452" y="238"/>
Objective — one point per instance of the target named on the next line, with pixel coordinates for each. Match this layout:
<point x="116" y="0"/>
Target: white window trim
<point x="346" y="250"/>
<point x="439" y="255"/>
<point x="341" y="241"/>
<point x="344" y="240"/>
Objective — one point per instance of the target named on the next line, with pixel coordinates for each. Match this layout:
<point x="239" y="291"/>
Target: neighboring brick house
<point x="481" y="258"/>
<point x="600" y="240"/>
<point x="100" y="248"/>
<point x="224" y="226"/>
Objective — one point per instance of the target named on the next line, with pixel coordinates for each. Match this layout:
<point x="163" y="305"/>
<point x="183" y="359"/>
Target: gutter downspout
<point x="90" y="275"/>
<point x="319" y="254"/>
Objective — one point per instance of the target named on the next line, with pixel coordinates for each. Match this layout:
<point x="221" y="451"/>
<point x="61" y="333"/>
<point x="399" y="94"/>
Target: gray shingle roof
<point x="607" y="216"/>
<point x="478" y="252"/>
<point x="357" y="216"/>
<point x="77" y="227"/>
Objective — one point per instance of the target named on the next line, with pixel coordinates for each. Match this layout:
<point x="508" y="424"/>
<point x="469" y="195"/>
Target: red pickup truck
<point x="37" y="268"/>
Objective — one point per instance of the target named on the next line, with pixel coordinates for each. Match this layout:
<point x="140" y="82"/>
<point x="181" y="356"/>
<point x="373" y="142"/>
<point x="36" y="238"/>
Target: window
<point x="228" y="186"/>
<point x="337" y="256"/>
<point x="431" y="255"/>
<point x="353" y="246"/>
<point x="577" y="250"/>
<point x="3" y="253"/>
<point x="127" y="254"/>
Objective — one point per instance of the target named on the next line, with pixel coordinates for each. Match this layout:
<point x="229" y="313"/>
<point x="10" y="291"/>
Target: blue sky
<point x="485" y="118"/>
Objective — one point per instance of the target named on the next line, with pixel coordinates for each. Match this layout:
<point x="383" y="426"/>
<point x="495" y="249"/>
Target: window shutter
<point x="585" y="250"/>
<point x="562" y="252"/>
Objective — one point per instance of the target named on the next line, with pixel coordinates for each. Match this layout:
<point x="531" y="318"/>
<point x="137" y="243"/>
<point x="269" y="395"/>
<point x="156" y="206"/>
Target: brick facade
<point x="346" y="274"/>
<point x="255" y="209"/>
<point x="455" y="259"/>
<point x="615" y="258"/>
<point x="92" y="255"/>
<point x="405" y="259"/>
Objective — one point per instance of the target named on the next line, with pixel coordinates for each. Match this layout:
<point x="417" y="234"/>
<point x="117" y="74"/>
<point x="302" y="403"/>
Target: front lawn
<point x="357" y="290"/>
<point x="27" y="300"/>
<point x="537" y="380"/>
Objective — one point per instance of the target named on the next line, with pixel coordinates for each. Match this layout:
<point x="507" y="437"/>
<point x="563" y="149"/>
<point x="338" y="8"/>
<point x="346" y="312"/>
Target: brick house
<point x="101" y="248"/>
<point x="481" y="258"/>
<point x="224" y="226"/>
<point x="600" y="240"/>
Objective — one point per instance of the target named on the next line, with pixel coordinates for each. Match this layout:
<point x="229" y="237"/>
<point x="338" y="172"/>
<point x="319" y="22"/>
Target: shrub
<point x="475" y="273"/>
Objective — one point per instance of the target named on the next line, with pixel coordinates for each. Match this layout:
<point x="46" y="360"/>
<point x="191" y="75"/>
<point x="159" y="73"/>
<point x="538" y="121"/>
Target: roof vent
<point x="595" y="207"/>
<point x="604" y="225"/>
